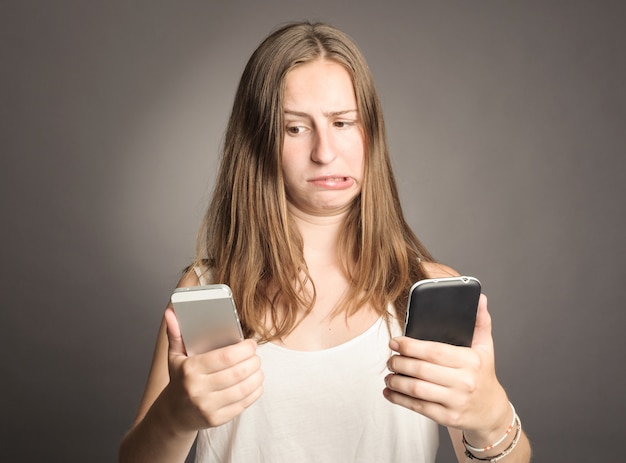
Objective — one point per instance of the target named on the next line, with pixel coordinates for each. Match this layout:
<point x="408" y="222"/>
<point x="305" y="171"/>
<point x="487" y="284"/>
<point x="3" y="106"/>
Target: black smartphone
<point x="207" y="317"/>
<point x="443" y="310"/>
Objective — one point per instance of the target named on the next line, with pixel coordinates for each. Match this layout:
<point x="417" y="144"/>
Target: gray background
<point x="507" y="124"/>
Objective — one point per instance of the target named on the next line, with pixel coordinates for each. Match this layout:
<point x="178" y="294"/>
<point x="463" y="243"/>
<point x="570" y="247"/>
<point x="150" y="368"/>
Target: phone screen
<point x="443" y="310"/>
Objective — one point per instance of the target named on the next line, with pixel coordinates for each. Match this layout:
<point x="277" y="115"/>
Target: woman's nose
<point x="323" y="151"/>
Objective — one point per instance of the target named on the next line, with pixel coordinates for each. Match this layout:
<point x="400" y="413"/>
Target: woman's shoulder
<point x="437" y="270"/>
<point x="191" y="277"/>
<point x="196" y="274"/>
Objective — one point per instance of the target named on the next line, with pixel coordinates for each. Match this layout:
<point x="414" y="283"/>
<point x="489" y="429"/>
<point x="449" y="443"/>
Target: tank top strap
<point x="202" y="275"/>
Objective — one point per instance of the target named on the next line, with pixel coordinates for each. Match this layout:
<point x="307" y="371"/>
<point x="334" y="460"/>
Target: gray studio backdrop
<point x="507" y="127"/>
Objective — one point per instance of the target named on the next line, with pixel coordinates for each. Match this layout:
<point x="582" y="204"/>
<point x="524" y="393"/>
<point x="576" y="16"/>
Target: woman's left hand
<point x="454" y="386"/>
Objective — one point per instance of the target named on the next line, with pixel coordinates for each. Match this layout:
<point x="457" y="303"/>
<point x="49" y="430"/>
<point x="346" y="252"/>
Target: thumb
<point x="482" y="329"/>
<point x="174" y="336"/>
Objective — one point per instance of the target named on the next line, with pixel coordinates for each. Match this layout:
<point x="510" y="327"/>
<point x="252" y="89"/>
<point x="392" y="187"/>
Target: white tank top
<point x="324" y="406"/>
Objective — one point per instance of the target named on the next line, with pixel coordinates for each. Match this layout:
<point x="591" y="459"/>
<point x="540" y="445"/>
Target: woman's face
<point x="323" y="151"/>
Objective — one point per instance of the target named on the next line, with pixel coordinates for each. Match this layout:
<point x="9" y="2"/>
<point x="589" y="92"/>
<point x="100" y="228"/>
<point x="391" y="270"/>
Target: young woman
<point x="306" y="227"/>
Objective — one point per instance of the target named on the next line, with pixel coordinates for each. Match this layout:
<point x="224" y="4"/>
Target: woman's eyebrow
<point x="340" y="113"/>
<point x="296" y="113"/>
<point x="327" y="114"/>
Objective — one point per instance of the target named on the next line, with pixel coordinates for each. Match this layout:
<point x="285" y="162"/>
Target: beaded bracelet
<point x="496" y="443"/>
<point x="509" y="449"/>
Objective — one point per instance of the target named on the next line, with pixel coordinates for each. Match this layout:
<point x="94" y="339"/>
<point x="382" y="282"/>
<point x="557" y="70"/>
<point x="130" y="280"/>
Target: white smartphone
<point x="207" y="317"/>
<point x="443" y="310"/>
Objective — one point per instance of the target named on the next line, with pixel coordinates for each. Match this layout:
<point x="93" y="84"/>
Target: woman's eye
<point x="295" y="129"/>
<point x="343" y="124"/>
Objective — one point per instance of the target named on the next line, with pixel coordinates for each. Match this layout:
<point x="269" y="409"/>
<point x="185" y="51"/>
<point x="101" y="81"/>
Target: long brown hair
<point x="248" y="239"/>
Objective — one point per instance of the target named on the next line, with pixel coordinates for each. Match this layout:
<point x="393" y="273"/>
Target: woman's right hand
<point x="209" y="389"/>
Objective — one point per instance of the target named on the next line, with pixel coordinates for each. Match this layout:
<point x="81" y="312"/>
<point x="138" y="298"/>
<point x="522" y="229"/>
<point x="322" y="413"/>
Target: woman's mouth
<point x="334" y="182"/>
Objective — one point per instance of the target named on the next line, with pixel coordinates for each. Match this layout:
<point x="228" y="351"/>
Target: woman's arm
<point x="457" y="387"/>
<point x="152" y="436"/>
<point x="184" y="394"/>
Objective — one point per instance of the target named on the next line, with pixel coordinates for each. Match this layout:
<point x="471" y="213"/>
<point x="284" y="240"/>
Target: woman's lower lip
<point x="333" y="183"/>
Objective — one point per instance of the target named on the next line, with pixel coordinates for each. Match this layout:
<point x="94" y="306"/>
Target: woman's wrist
<point x="497" y="449"/>
<point x="155" y="438"/>
<point x="166" y="412"/>
<point x="499" y="431"/>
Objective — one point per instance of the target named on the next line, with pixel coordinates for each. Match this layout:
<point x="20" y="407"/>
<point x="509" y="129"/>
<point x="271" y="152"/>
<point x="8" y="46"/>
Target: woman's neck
<point x="322" y="327"/>
<point x="320" y="235"/>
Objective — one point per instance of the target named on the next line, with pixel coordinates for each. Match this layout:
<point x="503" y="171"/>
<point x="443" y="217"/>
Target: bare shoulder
<point x="189" y="279"/>
<point x="437" y="270"/>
